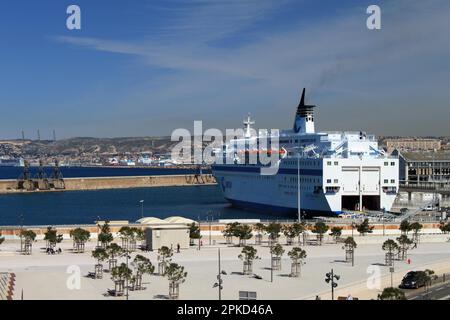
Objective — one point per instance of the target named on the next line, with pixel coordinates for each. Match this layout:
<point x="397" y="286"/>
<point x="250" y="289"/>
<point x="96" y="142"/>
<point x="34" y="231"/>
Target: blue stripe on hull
<point x="279" y="209"/>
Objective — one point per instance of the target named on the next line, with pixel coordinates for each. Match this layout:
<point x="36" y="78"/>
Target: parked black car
<point x="413" y="280"/>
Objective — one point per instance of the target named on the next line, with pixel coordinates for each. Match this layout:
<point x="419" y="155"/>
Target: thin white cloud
<point x="340" y="54"/>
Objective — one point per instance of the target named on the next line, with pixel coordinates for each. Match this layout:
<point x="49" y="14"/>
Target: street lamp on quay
<point x="209" y="217"/>
<point x="142" y="208"/>
<point x="330" y="278"/>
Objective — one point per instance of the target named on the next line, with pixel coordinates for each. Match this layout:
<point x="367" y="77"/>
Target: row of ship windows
<point x="304" y="163"/>
<point x="329" y="163"/>
<point x="387" y="164"/>
<point x="302" y="179"/>
<point x="387" y="180"/>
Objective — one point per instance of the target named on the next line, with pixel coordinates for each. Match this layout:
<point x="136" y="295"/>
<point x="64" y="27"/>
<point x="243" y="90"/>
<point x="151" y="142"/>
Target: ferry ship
<point x="324" y="173"/>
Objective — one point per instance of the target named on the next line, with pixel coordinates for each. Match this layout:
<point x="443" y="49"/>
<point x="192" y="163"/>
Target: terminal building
<point x="424" y="168"/>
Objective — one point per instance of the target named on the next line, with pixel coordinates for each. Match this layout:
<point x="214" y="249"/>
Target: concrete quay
<point x="39" y="272"/>
<point x="124" y="182"/>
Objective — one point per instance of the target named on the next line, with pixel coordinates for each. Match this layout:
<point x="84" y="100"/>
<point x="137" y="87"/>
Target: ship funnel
<point x="304" y="118"/>
<point x="302" y="101"/>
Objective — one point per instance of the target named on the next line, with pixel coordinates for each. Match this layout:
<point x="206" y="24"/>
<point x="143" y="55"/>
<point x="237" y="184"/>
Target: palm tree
<point x="29" y="236"/>
<point x="259" y="228"/>
<point x="364" y="227"/>
<point x="113" y="251"/>
<point x="80" y="237"/>
<point x="390" y="246"/>
<point x="336" y="232"/>
<point x="276" y="252"/>
<point x="405" y="227"/>
<point x="405" y="244"/>
<point x="273" y="230"/>
<point x="176" y="275"/>
<point x="164" y="255"/>
<point x="101" y="255"/>
<point x="297" y="256"/>
<point x="320" y="228"/>
<point x="52" y="238"/>
<point x="119" y="274"/>
<point x="248" y="254"/>
<point x="392" y="294"/>
<point x="142" y="266"/>
<point x="416" y="227"/>
<point x="105" y="236"/>
<point x="350" y="246"/>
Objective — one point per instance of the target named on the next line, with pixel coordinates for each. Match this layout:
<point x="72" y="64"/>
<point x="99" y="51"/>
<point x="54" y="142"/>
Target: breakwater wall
<point x="102" y="183"/>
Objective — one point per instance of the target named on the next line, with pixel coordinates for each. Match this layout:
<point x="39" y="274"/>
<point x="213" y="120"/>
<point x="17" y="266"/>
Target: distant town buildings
<point x="412" y="144"/>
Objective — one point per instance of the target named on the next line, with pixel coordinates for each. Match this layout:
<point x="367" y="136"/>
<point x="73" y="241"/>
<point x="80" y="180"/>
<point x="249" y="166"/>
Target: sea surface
<point x="85" y="207"/>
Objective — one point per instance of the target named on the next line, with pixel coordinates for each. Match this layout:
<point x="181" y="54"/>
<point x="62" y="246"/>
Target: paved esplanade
<point x="43" y="276"/>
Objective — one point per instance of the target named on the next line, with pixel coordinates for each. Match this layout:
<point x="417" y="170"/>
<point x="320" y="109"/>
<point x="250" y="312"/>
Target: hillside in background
<point x="81" y="146"/>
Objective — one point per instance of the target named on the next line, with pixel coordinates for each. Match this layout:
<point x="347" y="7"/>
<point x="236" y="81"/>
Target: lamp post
<point x="219" y="278"/>
<point x="209" y="217"/>
<point x="21" y="231"/>
<point x="384" y="223"/>
<point x="200" y="234"/>
<point x="330" y="278"/>
<point x="142" y="208"/>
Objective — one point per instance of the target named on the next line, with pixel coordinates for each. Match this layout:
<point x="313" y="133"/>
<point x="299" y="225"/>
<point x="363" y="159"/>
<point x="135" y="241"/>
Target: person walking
<point x="178" y="248"/>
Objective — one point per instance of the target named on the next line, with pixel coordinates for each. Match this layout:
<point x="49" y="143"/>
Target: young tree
<point x="126" y="234"/>
<point x="390" y="246"/>
<point x="405" y="227"/>
<point x="230" y="231"/>
<point x="392" y="294"/>
<point x="243" y="232"/>
<point x="194" y="233"/>
<point x="140" y="236"/>
<point x="80" y="237"/>
<point x="320" y="228"/>
<point x="445" y="228"/>
<point x="336" y="232"/>
<point x="101" y="255"/>
<point x="248" y="254"/>
<point x="349" y="247"/>
<point x="119" y="275"/>
<point x="427" y="276"/>
<point x="142" y="265"/>
<point x="260" y="228"/>
<point x="297" y="256"/>
<point x="277" y="252"/>
<point x="105" y="236"/>
<point x="364" y="227"/>
<point x="416" y="227"/>
<point x="289" y="233"/>
<point x="299" y="230"/>
<point x="164" y="257"/>
<point x="52" y="238"/>
<point x="405" y="244"/>
<point x="29" y="236"/>
<point x="113" y="251"/>
<point x="273" y="230"/>
<point x="176" y="275"/>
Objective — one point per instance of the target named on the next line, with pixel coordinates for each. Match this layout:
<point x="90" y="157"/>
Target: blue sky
<point x="142" y="68"/>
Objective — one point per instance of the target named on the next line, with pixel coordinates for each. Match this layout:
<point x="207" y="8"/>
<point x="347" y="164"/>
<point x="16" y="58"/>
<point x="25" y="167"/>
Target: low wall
<point x="99" y="183"/>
